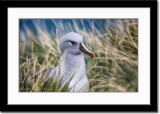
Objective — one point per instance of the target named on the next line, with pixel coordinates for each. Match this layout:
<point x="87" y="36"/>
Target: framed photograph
<point x="98" y="56"/>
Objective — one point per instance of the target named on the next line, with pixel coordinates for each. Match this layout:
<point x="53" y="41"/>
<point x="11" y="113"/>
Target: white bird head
<point x="73" y="43"/>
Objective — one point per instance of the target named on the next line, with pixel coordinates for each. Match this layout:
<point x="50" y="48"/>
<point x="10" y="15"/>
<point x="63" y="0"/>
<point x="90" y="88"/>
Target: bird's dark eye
<point x="72" y="42"/>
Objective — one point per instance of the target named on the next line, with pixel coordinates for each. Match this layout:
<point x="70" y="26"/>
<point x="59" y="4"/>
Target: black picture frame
<point x="153" y="107"/>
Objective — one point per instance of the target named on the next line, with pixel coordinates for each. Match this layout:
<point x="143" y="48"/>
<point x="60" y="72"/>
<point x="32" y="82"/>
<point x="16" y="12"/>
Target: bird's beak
<point x="83" y="49"/>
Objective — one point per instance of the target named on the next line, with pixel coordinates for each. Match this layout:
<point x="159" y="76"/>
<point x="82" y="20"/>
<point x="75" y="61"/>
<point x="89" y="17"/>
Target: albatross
<point x="72" y="65"/>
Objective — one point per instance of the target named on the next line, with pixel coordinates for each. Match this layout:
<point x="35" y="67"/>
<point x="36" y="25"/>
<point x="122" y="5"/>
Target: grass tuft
<point x="115" y="68"/>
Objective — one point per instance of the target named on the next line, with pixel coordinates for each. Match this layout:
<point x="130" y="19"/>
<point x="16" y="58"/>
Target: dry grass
<point x="115" y="68"/>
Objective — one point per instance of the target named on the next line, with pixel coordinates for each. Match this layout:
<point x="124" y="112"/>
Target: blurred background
<point x="114" y="42"/>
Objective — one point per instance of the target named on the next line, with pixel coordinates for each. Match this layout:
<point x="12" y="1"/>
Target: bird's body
<point x="74" y="69"/>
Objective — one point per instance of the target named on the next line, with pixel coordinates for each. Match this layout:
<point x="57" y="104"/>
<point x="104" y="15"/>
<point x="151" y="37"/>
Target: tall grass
<point x="115" y="68"/>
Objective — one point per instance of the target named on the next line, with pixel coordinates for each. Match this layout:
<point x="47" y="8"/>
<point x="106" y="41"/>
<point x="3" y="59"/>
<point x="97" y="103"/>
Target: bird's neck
<point x="70" y="60"/>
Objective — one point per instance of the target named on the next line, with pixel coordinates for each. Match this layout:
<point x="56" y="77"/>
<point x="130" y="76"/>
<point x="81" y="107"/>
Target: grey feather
<point x="72" y="63"/>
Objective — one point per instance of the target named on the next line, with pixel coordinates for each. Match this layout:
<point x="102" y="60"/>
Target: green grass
<point x="115" y="68"/>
